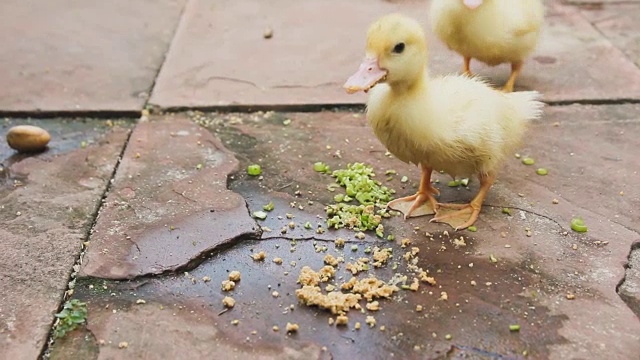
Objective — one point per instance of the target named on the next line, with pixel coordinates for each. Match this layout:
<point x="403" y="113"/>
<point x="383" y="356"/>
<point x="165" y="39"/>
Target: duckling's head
<point x="396" y="53"/>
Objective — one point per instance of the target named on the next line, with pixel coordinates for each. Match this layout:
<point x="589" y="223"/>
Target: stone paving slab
<point x="47" y="204"/>
<point x="585" y="148"/>
<point x="309" y="56"/>
<point x="618" y="22"/>
<point x="82" y="55"/>
<point x="169" y="203"/>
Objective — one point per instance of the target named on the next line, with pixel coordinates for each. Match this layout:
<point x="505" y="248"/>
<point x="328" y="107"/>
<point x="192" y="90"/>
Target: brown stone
<point x="310" y="58"/>
<point x="47" y="205"/>
<point x="87" y="56"/>
<point x="169" y="205"/>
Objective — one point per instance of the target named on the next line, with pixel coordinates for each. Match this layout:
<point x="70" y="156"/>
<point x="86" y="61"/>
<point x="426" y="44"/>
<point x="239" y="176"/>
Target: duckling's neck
<point x="405" y="87"/>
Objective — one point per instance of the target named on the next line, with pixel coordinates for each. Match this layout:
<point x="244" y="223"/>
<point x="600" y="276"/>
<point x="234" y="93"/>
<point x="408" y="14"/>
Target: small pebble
<point x="28" y="138"/>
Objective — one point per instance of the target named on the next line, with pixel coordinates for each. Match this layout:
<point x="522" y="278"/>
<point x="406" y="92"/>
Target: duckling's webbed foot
<point x="420" y="204"/>
<point x="459" y="216"/>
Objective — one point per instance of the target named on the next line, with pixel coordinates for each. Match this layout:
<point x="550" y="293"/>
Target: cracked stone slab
<point x="629" y="289"/>
<point x="47" y="204"/>
<point x="304" y="63"/>
<point x="618" y="22"/>
<point x="528" y="285"/>
<point x="169" y="204"/>
<point x="83" y="55"/>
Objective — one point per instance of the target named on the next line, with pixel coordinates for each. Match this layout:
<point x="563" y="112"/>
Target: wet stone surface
<point x="529" y="268"/>
<point x="47" y="204"/>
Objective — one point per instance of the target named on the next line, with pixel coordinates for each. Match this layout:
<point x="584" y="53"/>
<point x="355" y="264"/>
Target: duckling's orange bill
<point x="367" y="76"/>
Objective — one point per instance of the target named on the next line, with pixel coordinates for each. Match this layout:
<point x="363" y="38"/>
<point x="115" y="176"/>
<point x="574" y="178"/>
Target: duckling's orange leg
<point x="415" y="205"/>
<point x="515" y="70"/>
<point x="467" y="66"/>
<point x="465" y="214"/>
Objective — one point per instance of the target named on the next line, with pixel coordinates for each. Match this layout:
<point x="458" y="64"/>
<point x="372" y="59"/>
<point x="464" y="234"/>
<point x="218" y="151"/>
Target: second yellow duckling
<point x="492" y="31"/>
<point x="454" y="123"/>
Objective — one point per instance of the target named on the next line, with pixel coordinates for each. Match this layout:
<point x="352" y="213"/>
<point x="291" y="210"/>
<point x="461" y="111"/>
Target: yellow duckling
<point x="492" y="31"/>
<point x="454" y="123"/>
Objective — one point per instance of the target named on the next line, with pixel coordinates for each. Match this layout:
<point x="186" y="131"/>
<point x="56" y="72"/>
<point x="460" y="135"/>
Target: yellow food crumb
<point x="308" y="276"/>
<point x="349" y="284"/>
<point x="292" y="225"/>
<point x="426" y="278"/>
<point x="292" y="327"/>
<point x="330" y="260"/>
<point x="335" y="301"/>
<point x="331" y="321"/>
<point x="228" y="301"/>
<point x="357" y="326"/>
<point x="228" y="285"/>
<point x="383" y="328"/>
<point x="275" y="294"/>
<point x="418" y="308"/>
<point x="444" y="296"/>
<point x="360" y="235"/>
<point x="339" y="242"/>
<point x="206" y="279"/>
<point x="373" y="288"/>
<point x="342" y="320"/>
<point x="571" y="296"/>
<point x="234" y="275"/>
<point x="329" y="288"/>
<point x="405" y="242"/>
<point x="373" y="306"/>
<point x="275" y="328"/>
<point x="140" y="301"/>
<point x="235" y="322"/>
<point x="327" y="272"/>
<point x="277" y="260"/>
<point x="371" y="321"/>
<point x="123" y="345"/>
<point x="259" y="256"/>
<point x="415" y="285"/>
<point x="381" y="256"/>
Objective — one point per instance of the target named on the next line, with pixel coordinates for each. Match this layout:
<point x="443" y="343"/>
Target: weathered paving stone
<point x="308" y="59"/>
<point x="629" y="290"/>
<point x="47" y="204"/>
<point x="528" y="285"/>
<point x="82" y="56"/>
<point x="618" y="22"/>
<point x="169" y="204"/>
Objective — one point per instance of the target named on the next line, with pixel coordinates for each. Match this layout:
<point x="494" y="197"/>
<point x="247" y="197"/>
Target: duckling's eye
<point x="399" y="48"/>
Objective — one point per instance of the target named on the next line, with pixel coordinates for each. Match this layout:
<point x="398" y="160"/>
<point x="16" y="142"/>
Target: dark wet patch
<point x="477" y="317"/>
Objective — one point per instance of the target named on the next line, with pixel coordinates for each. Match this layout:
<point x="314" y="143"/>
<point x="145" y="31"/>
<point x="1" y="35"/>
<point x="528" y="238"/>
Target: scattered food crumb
<point x="330" y="260"/>
<point x="555" y="201"/>
<point x="571" y="296"/>
<point x="277" y="260"/>
<point x="259" y="256"/>
<point x="235" y="322"/>
<point x="275" y="294"/>
<point x="339" y="242"/>
<point x="292" y="327"/>
<point x="357" y="326"/>
<point x="140" y="301"/>
<point x="228" y="285"/>
<point x="371" y="321"/>
<point x="206" y="279"/>
<point x="418" y="308"/>
<point x="373" y="306"/>
<point x="234" y="275"/>
<point x="444" y="296"/>
<point x="123" y="345"/>
<point x="275" y="328"/>
<point x="342" y="320"/>
<point x="228" y="301"/>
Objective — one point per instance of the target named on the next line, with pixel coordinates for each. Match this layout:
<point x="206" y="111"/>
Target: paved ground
<point x="143" y="216"/>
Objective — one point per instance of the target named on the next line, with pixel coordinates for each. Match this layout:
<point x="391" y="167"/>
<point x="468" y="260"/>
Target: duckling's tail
<point x="527" y="104"/>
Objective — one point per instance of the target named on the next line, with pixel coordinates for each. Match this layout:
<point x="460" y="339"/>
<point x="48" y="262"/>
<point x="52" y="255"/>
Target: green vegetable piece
<point x="260" y="215"/>
<point x="394" y="266"/>
<point x="514" y="327"/>
<point x="528" y="161"/>
<point x="286" y="122"/>
<point x="254" y="170"/>
<point x="506" y="211"/>
<point x="404" y="179"/>
<point x="493" y="259"/>
<point x="390" y="172"/>
<point x="472" y="228"/>
<point x="577" y="225"/>
<point x="354" y="247"/>
<point x="464" y="182"/>
<point x="542" y="171"/>
<point x="320" y="167"/>
<point x="338" y="198"/>
<point x="269" y="206"/>
<point x="83" y="144"/>
<point x="307" y="225"/>
<point x="391" y="237"/>
<point x="367" y="250"/>
<point x="365" y="267"/>
<point x="405" y="287"/>
<point x="453" y="183"/>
